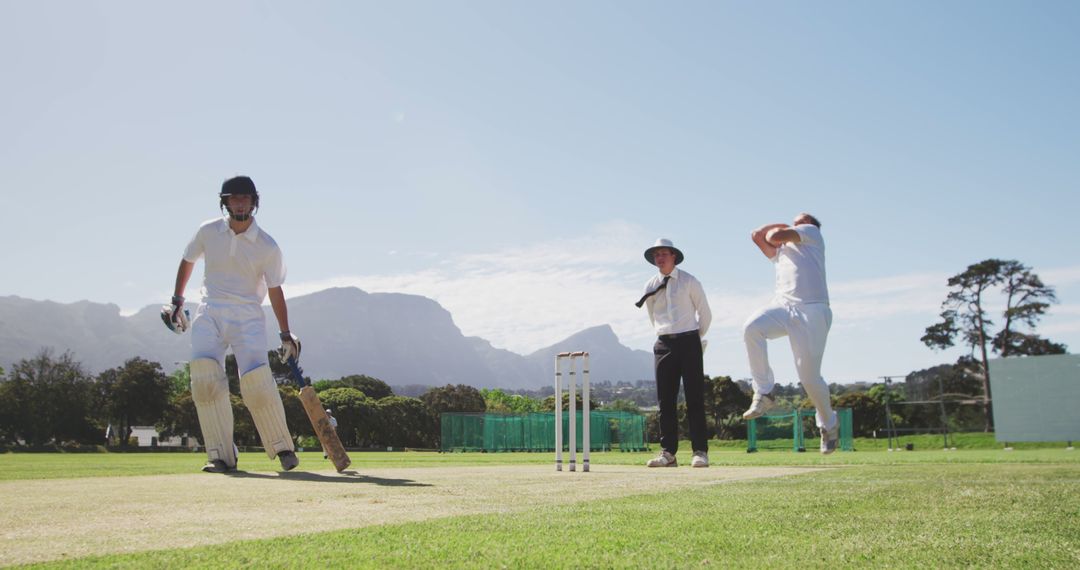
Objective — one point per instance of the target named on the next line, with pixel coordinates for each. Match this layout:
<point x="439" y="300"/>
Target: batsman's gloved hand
<point x="290" y="347"/>
<point x="175" y="317"/>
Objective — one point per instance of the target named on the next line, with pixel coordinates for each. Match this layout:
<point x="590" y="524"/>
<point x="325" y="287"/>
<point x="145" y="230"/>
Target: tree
<point x="1027" y="300"/>
<point x="406" y="422"/>
<point x="496" y="400"/>
<point x="964" y="314"/>
<point x="180" y="417"/>
<point x="356" y="415"/>
<point x="135" y="393"/>
<point x="460" y="398"/>
<point x="278" y="369"/>
<point x="49" y="399"/>
<point x="623" y="406"/>
<point x="295" y="415"/>
<point x="866" y="412"/>
<point x="723" y="399"/>
<point x="232" y="373"/>
<point x="952" y="383"/>
<point x="548" y="403"/>
<point x="371" y="387"/>
<point x="180" y="380"/>
<point x="9" y="410"/>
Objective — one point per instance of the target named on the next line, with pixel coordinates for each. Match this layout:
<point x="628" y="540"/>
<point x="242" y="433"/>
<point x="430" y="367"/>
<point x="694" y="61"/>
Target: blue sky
<point x="511" y="160"/>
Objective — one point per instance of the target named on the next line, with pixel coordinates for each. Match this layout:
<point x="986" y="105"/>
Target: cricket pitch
<point x="64" y="519"/>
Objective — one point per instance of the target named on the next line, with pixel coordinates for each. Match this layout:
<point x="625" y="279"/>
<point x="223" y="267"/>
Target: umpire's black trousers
<point x="679" y="356"/>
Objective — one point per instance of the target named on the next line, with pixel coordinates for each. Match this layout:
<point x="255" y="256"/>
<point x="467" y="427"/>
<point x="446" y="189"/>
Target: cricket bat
<point x="326" y="433"/>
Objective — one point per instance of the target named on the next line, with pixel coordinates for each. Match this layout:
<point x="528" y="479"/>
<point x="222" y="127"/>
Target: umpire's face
<point x="664" y="259"/>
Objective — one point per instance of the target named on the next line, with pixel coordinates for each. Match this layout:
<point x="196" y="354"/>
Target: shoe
<point x="288" y="460"/>
<point x="665" y="459"/>
<point x="762" y="403"/>
<point x="829" y="439"/>
<point x="217" y="466"/>
<point x="700" y="459"/>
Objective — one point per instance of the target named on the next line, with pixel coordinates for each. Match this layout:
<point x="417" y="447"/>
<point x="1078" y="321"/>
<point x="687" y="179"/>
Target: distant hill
<point x="401" y="339"/>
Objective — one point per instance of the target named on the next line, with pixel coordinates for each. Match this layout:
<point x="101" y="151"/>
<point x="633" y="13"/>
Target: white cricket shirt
<point x="680" y="307"/>
<point x="800" y="268"/>
<point x="239" y="268"/>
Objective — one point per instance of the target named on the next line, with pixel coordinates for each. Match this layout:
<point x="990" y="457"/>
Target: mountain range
<point x="400" y="339"/>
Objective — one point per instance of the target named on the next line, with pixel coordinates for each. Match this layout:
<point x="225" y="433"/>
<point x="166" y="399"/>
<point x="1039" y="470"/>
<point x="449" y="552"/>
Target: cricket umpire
<point x="680" y="315"/>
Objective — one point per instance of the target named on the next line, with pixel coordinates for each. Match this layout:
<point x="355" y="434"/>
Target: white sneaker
<point x="700" y="459"/>
<point x="761" y="404"/>
<point x="665" y="459"/>
<point x="829" y="439"/>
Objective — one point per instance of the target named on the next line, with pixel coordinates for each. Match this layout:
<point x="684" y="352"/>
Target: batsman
<point x="243" y="265"/>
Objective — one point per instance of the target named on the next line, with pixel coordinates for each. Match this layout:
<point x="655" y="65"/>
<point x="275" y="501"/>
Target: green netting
<point x="536" y="431"/>
<point x="792" y="429"/>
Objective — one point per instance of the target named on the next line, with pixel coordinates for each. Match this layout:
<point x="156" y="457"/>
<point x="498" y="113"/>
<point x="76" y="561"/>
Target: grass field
<point x="923" y="508"/>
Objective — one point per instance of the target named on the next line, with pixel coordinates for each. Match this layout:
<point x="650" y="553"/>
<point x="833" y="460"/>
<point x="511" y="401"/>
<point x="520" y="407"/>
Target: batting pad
<point x="210" y="392"/>
<point x="262" y="399"/>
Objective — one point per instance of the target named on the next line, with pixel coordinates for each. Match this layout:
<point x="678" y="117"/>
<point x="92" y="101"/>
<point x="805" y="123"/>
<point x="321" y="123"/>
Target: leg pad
<point x="210" y="392"/>
<point x="262" y="399"/>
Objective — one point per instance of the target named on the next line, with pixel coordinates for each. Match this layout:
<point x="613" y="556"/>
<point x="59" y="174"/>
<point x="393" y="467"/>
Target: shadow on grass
<point x="343" y="477"/>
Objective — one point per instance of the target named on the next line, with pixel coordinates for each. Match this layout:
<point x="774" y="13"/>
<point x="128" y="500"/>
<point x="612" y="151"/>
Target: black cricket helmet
<point x="237" y="186"/>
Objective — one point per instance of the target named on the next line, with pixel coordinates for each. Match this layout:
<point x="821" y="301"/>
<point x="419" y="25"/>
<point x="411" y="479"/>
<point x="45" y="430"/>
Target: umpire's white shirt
<point x="239" y="267"/>
<point x="800" y="268"/>
<point x="680" y="307"/>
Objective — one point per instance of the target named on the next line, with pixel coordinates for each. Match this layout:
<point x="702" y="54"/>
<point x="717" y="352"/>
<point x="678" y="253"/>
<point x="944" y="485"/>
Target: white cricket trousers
<point x="807" y="328"/>
<point x="241" y="326"/>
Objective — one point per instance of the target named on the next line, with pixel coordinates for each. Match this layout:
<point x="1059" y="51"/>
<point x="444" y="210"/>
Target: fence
<point x="535" y="431"/>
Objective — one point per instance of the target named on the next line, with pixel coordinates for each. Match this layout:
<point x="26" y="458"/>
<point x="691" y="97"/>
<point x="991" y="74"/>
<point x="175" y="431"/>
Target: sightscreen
<point x="1036" y="398"/>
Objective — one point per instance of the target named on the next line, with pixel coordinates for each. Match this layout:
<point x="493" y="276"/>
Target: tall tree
<point x="1027" y="299"/>
<point x="964" y="314"/>
<point x="50" y="399"/>
<point x="135" y="393"/>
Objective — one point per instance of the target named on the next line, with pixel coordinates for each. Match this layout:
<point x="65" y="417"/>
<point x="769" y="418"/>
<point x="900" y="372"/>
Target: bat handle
<point x="297" y="373"/>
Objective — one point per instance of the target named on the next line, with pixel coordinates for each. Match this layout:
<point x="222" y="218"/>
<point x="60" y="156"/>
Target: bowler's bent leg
<point x="808" y="333"/>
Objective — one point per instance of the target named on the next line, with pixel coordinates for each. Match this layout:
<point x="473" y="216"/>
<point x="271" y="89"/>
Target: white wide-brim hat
<point x="663" y="242"/>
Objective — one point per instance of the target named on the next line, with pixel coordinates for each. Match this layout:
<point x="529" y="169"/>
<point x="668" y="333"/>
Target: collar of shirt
<point x="252" y="233"/>
<point x="674" y="275"/>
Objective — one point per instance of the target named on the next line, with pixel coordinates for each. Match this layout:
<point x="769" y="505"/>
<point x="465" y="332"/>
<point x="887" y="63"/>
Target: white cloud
<point x="868" y="299"/>
<point x="1061" y="276"/>
<point x="524" y="298"/>
<point x="1061" y="320"/>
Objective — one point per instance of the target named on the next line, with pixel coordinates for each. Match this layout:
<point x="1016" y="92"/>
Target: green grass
<point x="973" y="448"/>
<point x="973" y="512"/>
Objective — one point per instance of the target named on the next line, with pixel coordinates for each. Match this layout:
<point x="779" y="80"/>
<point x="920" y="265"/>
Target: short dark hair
<point x="813" y="220"/>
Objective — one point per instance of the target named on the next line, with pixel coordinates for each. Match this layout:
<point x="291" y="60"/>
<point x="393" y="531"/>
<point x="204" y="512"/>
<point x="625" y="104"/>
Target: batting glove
<point x="175" y="317"/>
<point x="290" y="347"/>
